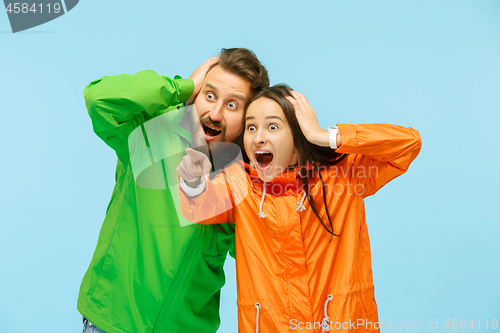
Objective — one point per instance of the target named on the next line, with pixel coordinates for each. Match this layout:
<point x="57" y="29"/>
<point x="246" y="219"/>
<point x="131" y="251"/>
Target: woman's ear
<point x="295" y="157"/>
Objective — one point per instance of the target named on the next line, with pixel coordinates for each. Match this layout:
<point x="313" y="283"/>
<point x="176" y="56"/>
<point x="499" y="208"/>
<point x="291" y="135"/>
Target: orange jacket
<point x="290" y="277"/>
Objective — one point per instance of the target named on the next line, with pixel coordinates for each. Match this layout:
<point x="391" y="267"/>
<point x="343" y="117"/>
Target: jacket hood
<point x="288" y="183"/>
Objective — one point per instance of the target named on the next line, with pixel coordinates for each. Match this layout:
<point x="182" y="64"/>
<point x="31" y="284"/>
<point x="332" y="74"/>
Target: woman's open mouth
<point x="264" y="159"/>
<point x="211" y="132"/>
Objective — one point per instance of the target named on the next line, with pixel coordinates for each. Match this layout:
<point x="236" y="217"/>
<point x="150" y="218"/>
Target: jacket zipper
<point x="180" y="276"/>
<point x="178" y="280"/>
<point x="212" y="238"/>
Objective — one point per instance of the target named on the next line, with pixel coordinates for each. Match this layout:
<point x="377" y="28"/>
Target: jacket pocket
<point x="254" y="316"/>
<point x="356" y="305"/>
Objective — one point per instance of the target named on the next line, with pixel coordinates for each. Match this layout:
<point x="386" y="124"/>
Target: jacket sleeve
<point x="378" y="153"/>
<point x="214" y="205"/>
<point x="114" y="101"/>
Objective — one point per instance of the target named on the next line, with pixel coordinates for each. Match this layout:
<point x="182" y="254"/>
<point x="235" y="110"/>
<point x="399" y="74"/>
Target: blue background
<point x="432" y="65"/>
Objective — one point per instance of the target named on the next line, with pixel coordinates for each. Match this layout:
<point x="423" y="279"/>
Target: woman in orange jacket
<point x="302" y="265"/>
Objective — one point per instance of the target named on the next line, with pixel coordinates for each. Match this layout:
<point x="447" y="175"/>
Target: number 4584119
<point x="25" y="8"/>
<point x="462" y="324"/>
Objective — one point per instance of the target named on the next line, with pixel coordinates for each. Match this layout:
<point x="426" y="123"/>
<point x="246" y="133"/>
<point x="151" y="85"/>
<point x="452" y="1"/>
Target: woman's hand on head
<point x="308" y="121"/>
<point x="193" y="166"/>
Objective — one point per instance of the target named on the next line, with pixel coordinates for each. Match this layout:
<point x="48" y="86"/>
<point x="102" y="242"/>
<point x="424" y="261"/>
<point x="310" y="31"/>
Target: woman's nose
<point x="260" y="138"/>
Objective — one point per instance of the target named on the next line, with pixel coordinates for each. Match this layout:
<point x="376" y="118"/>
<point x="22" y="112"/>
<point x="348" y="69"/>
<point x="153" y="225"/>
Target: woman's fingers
<point x="298" y="103"/>
<point x="188" y="170"/>
<point x="195" y="155"/>
<point x="197" y="164"/>
<point x="303" y="102"/>
<point x="181" y="171"/>
<point x="293" y="101"/>
<point x="306" y="117"/>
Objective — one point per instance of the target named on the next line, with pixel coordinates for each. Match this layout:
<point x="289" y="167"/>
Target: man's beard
<point x="222" y="142"/>
<point x="206" y="120"/>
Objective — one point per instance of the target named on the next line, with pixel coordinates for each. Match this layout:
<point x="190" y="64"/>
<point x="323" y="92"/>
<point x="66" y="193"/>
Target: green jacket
<point x="150" y="272"/>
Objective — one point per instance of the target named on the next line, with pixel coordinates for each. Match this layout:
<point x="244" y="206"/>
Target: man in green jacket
<point x="151" y="272"/>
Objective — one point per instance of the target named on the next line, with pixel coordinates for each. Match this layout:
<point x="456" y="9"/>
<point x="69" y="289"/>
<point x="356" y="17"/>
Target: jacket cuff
<point x="192" y="191"/>
<point x="186" y="88"/>
<point x="349" y="138"/>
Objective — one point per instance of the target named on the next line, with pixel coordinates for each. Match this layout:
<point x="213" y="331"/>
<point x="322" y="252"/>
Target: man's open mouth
<point x="211" y="131"/>
<point x="264" y="158"/>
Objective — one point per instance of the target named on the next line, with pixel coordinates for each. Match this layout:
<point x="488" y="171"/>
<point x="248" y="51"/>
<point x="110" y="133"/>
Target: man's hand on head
<point x="198" y="76"/>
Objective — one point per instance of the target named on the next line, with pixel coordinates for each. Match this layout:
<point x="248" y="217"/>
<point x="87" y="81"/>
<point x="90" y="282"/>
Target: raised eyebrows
<point x="232" y="94"/>
<point x="267" y="117"/>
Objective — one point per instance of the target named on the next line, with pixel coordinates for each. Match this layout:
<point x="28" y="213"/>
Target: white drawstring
<point x="325" y="324"/>
<point x="301" y="207"/>
<point x="261" y="213"/>
<point x="257" y="306"/>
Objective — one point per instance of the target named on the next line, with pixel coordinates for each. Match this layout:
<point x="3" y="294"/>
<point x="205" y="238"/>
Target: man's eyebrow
<point x="211" y="86"/>
<point x="235" y="95"/>
<point x="241" y="97"/>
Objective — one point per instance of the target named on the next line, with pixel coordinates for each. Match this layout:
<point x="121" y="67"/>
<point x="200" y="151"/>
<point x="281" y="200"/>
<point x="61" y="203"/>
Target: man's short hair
<point x="244" y="63"/>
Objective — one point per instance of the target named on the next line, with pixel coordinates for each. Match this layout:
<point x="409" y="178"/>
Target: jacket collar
<point x="288" y="183"/>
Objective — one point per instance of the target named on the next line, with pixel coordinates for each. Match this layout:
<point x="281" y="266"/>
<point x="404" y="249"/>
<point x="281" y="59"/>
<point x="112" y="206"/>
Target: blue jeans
<point x="88" y="327"/>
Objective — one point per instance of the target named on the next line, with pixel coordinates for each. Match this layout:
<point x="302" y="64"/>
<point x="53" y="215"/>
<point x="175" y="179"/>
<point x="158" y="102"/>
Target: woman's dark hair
<point x="306" y="151"/>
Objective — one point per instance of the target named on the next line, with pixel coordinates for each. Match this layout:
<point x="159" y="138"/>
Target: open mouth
<point x="211" y="132"/>
<point x="264" y="158"/>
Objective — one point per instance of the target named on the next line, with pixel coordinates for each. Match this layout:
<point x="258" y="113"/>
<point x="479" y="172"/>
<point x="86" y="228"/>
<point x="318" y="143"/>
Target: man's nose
<point x="216" y="113"/>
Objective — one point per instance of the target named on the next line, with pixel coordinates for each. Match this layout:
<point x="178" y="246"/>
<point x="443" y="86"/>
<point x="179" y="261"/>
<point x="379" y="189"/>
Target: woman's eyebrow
<point x="274" y="117"/>
<point x="267" y="117"/>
